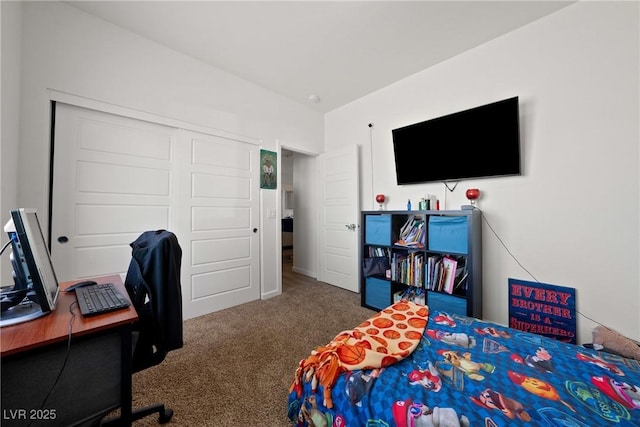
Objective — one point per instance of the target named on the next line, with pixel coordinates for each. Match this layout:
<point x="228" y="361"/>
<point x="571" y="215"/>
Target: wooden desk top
<point x="54" y="327"/>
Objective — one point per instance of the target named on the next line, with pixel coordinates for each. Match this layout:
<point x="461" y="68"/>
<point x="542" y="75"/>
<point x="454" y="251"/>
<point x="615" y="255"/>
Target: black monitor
<point x="33" y="268"/>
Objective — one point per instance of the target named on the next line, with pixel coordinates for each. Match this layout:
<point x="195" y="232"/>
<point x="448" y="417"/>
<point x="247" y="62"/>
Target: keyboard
<point x="100" y="298"/>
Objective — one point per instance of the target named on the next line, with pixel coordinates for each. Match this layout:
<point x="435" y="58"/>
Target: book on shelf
<point x="436" y="278"/>
<point x="449" y="266"/>
<point x="431" y="266"/>
<point x="414" y="294"/>
<point x="412" y="233"/>
<point x="407" y="268"/>
<point x="377" y="252"/>
<point x="443" y="276"/>
<point x="407" y="226"/>
<point x="461" y="283"/>
<point x="404" y="244"/>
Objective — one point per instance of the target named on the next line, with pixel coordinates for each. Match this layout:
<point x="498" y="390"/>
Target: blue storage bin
<point x="448" y="234"/>
<point x="377" y="293"/>
<point x="378" y="230"/>
<point x="446" y="303"/>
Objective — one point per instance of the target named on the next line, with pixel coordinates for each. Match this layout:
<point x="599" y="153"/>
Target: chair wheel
<point x="165" y="416"/>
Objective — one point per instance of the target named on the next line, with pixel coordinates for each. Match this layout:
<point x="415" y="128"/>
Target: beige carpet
<point x="237" y="364"/>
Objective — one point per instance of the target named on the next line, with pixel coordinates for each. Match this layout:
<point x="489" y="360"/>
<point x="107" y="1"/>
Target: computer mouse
<point x="80" y="285"/>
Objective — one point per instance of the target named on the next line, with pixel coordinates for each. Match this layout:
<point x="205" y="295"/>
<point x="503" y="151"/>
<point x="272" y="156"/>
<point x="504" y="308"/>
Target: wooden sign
<point x="543" y="309"/>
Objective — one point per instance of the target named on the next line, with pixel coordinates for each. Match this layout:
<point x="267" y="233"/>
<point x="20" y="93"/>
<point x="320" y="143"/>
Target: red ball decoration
<point x="380" y="198"/>
<point x="472" y="194"/>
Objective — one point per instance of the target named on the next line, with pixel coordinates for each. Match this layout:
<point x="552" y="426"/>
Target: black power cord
<point x="6" y="245"/>
<point x="528" y="272"/>
<point x="64" y="362"/>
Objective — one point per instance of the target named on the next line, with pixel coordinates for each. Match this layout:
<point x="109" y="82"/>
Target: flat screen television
<point x="480" y="142"/>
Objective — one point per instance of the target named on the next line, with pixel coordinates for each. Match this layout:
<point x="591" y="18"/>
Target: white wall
<point x="69" y="51"/>
<point x="572" y="218"/>
<point x="10" y="39"/>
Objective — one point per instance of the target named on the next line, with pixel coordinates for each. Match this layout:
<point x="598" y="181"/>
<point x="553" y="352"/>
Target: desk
<point x="34" y="353"/>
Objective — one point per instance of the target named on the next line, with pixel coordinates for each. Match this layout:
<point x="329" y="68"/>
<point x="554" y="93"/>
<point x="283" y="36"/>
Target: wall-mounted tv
<point x="480" y="142"/>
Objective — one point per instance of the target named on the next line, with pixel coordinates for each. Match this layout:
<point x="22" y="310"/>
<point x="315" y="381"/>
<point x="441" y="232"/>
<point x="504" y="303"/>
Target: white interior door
<point x="219" y="187"/>
<point x="116" y="177"/>
<point x="339" y="218"/>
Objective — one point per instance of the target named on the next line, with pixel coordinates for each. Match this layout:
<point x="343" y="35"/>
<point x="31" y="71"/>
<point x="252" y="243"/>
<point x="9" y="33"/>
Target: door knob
<point x="350" y="227"/>
<point x="63" y="239"/>
<point x="255" y="230"/>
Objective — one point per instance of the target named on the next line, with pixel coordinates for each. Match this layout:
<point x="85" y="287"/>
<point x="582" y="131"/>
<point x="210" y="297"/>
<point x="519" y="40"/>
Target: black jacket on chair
<point x="153" y="283"/>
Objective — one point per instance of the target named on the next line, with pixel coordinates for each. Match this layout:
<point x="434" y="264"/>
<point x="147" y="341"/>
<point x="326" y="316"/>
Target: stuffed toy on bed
<point x="607" y="339"/>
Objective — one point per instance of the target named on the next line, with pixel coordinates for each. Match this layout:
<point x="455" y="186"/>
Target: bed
<point x="459" y="371"/>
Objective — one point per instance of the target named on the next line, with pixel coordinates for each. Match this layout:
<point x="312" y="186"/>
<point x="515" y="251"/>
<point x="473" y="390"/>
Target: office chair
<point x="153" y="284"/>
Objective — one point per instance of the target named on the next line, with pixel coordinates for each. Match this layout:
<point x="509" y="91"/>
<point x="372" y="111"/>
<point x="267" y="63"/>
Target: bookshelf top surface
<point x="429" y="212"/>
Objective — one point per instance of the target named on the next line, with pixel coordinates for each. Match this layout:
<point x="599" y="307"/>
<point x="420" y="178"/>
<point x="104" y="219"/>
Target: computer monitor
<point x="32" y="264"/>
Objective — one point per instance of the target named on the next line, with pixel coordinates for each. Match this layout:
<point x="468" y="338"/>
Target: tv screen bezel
<point x="37" y="257"/>
<point x="405" y="149"/>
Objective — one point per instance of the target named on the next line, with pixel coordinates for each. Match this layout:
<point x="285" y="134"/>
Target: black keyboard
<point x="100" y="298"/>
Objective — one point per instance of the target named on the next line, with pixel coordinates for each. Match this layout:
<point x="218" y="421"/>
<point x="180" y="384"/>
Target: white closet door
<point x="219" y="196"/>
<point x="115" y="177"/>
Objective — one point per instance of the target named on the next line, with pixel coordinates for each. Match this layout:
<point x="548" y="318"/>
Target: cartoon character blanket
<point x="467" y="372"/>
<point x="381" y="341"/>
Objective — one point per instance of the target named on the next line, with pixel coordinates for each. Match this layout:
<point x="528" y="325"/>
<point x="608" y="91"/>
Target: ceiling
<point x="323" y="54"/>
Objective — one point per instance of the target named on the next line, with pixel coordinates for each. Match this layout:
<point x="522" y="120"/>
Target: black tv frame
<point x="480" y="142"/>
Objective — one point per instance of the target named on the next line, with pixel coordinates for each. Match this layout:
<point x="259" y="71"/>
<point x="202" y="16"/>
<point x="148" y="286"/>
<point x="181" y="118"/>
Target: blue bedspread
<point x="470" y="372"/>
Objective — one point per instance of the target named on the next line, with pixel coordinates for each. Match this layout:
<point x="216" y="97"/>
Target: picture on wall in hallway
<point x="268" y="169"/>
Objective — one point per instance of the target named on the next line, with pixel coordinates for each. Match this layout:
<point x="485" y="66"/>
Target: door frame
<point x="295" y="150"/>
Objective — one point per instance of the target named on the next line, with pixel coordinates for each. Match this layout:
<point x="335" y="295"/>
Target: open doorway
<point x="288" y="208"/>
<point x="298" y="212"/>
<point x="325" y="215"/>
